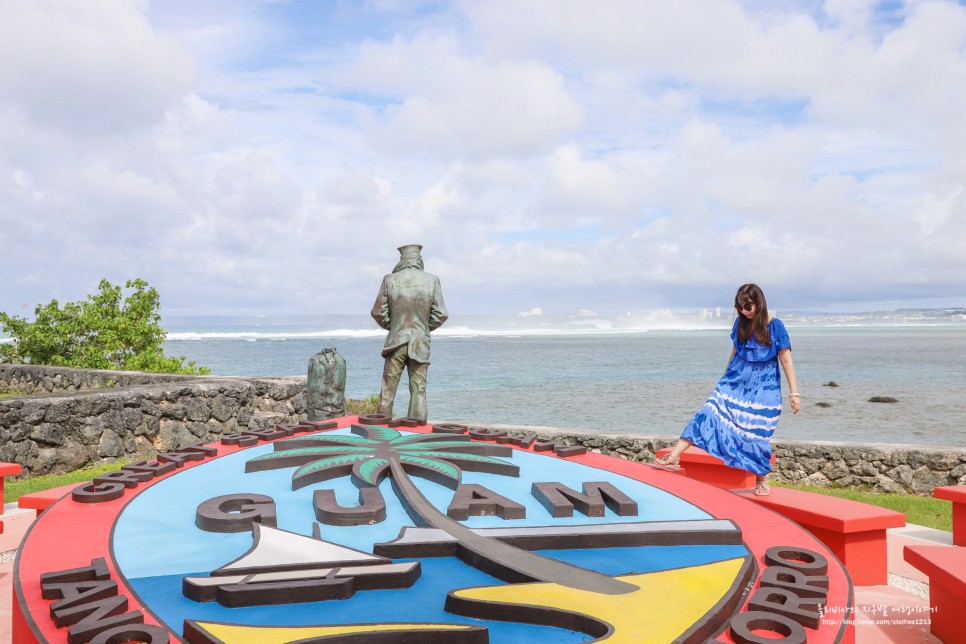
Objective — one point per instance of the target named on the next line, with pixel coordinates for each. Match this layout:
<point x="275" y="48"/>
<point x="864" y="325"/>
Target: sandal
<point x="762" y="488"/>
<point x="667" y="462"/>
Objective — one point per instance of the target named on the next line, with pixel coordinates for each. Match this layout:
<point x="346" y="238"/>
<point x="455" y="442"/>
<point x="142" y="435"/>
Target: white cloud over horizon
<point x="269" y="156"/>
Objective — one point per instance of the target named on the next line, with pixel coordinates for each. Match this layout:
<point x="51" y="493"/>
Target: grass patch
<point x="920" y="510"/>
<point x="365" y="406"/>
<point x="11" y="394"/>
<point x="13" y="490"/>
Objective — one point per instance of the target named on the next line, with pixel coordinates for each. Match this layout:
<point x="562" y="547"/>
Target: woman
<point x="740" y="416"/>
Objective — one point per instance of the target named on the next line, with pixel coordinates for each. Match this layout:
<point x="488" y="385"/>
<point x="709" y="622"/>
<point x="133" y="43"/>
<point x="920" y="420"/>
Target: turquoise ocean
<point x="613" y="377"/>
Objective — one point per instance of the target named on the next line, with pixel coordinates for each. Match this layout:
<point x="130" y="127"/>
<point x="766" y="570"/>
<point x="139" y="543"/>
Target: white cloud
<point x="241" y="156"/>
<point x="88" y="67"/>
<point x="590" y="187"/>
<point x="442" y="101"/>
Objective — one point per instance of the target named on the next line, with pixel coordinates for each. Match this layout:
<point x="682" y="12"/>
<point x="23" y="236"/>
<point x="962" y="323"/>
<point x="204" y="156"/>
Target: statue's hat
<point x="410" y="249"/>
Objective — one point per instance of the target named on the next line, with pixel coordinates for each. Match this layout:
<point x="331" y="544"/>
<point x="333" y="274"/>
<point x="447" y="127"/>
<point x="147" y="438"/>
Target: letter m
<point x="561" y="500"/>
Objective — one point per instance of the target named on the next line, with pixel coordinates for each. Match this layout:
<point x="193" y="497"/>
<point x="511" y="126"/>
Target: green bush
<point x="362" y="406"/>
<point x="103" y="332"/>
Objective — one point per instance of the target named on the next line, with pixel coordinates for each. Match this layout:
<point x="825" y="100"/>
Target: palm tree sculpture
<point x="378" y="451"/>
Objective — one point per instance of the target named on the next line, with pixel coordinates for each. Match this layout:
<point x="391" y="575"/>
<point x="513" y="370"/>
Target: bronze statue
<point x="409" y="305"/>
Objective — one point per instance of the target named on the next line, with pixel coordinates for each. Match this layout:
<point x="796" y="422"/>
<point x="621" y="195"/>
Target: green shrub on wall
<point x="105" y="331"/>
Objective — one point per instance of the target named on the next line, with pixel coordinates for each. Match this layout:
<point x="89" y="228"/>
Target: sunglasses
<point x="747" y="307"/>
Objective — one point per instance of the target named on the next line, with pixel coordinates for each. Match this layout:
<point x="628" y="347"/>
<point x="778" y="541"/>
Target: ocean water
<point x="594" y="375"/>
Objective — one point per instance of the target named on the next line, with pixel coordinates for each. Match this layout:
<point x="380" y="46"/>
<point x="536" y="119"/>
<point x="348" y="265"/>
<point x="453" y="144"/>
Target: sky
<point x="263" y="157"/>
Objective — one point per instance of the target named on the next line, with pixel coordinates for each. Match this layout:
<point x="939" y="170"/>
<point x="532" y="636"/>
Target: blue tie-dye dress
<point x="740" y="416"/>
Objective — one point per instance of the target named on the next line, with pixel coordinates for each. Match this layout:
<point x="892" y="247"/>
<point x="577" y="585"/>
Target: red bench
<point x="7" y="469"/>
<point x="957" y="495"/>
<point x="43" y="499"/>
<point x="854" y="531"/>
<point x="709" y="469"/>
<point x="946" y="568"/>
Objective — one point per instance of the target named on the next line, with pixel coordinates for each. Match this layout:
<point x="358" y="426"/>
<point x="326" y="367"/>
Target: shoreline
<point x="548" y="331"/>
<point x="72" y="418"/>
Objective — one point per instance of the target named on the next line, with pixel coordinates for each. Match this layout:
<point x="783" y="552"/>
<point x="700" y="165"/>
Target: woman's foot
<point x="762" y="488"/>
<point x="668" y="462"/>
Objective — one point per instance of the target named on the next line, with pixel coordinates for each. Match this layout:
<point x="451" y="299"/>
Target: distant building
<point x="535" y="312"/>
<point x="586" y="313"/>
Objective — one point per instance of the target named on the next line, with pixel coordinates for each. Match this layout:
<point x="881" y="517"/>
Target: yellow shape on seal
<point x="666" y="604"/>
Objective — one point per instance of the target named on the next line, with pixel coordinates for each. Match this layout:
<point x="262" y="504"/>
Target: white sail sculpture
<point x="284" y="567"/>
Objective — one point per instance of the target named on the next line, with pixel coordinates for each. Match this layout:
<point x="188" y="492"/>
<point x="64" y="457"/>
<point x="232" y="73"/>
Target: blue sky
<point x="248" y="156"/>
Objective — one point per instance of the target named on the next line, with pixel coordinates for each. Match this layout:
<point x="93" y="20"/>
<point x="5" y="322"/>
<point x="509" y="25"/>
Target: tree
<point x="103" y="332"/>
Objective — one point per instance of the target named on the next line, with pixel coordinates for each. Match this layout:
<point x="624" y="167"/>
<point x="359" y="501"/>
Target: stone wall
<point x="64" y="419"/>
<point x="887" y="468"/>
<point x="72" y="418"/>
<point x="39" y="379"/>
<point x="908" y="469"/>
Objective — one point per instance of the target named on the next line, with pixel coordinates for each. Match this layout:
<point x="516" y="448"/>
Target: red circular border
<point x="70" y="534"/>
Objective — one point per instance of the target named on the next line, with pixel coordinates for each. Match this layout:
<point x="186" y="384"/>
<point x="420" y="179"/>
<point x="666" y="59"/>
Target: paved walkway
<point x="884" y="614"/>
<point x="887" y="614"/>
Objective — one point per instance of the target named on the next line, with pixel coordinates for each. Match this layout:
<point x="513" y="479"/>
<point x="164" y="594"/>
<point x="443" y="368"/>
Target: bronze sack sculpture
<point x="409" y="305"/>
<point x="325" y="386"/>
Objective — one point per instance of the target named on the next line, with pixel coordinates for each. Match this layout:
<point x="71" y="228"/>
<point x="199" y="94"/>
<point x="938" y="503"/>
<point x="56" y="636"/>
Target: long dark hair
<point x="758" y="325"/>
